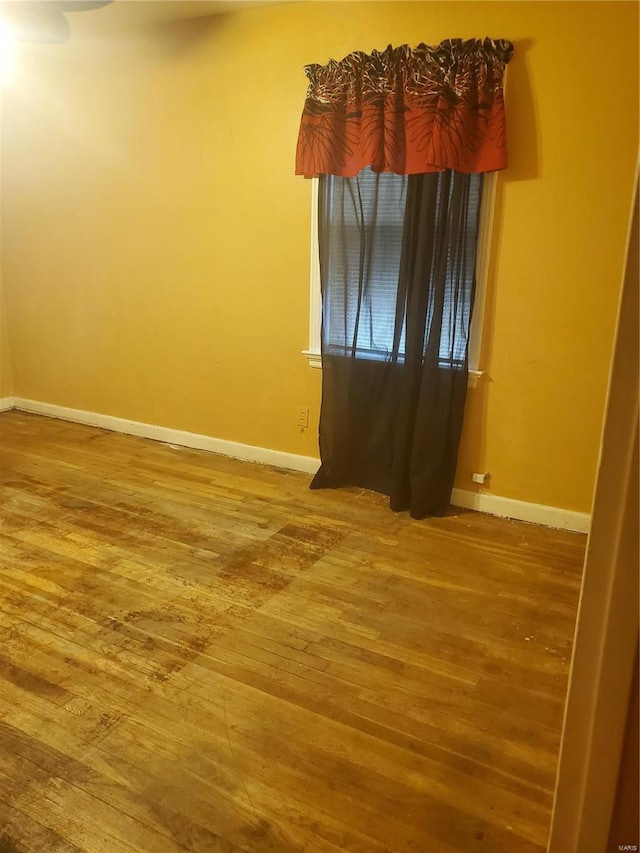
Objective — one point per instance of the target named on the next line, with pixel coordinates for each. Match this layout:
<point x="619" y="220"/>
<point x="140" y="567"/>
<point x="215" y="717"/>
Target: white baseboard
<point x="247" y="452"/>
<point x="549" y="516"/>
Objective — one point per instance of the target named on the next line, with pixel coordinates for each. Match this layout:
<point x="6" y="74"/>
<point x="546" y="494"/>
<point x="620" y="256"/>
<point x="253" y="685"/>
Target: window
<point x="374" y="339"/>
<point x="378" y="201"/>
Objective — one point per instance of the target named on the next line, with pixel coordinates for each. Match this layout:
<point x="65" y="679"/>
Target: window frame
<point x="485" y="234"/>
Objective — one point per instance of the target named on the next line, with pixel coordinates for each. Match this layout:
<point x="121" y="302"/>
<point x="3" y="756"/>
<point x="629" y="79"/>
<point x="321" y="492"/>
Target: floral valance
<point x="407" y="110"/>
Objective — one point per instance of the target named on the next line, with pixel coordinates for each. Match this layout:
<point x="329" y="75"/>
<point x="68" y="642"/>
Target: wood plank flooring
<point x="202" y="654"/>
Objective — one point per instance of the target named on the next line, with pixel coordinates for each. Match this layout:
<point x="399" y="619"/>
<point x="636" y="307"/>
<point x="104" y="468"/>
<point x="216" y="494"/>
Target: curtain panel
<point x="393" y="398"/>
<point x="407" y="110"/>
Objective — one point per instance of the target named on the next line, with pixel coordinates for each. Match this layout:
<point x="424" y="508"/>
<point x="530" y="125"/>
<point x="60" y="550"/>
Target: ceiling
<point x="44" y="21"/>
<point x="125" y="13"/>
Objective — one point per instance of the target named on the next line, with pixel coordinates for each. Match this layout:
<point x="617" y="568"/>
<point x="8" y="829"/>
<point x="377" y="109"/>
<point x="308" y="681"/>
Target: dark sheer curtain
<point x="397" y="265"/>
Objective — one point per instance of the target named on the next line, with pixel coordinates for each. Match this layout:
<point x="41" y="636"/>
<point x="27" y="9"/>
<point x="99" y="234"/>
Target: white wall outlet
<point x="480" y="478"/>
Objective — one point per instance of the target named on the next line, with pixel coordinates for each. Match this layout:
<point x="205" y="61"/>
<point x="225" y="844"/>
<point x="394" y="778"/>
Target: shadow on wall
<point x="524" y="165"/>
<point x="523" y="138"/>
<point x="174" y="40"/>
<point x="523" y="148"/>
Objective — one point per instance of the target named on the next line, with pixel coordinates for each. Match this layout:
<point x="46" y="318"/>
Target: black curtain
<point x="397" y="267"/>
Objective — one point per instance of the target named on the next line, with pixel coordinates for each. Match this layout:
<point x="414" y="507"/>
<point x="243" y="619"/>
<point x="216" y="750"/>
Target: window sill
<point x="473" y="377"/>
<point x="315" y="360"/>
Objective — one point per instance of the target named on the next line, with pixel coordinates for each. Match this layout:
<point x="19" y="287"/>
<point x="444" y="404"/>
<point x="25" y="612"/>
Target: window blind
<point x="363" y="313"/>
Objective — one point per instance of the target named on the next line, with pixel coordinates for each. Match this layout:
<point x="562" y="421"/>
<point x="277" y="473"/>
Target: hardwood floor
<point x="202" y="654"/>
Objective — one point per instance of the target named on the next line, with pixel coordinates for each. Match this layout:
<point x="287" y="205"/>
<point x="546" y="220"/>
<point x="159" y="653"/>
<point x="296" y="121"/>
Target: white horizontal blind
<point x="365" y="235"/>
<point x="360" y="304"/>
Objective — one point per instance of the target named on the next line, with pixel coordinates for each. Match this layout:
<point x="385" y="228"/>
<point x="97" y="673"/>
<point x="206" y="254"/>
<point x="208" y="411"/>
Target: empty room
<point x="318" y="426"/>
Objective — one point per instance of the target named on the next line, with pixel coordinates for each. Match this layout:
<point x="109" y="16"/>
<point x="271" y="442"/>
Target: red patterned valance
<point x="407" y="110"/>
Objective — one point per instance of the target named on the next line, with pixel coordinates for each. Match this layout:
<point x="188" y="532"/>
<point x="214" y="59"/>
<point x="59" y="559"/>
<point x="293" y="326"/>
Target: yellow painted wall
<point x="6" y="385"/>
<point x="156" y="240"/>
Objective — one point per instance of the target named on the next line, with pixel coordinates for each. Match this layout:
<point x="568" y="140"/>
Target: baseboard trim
<point x="246" y="452"/>
<point x="549" y="516"/>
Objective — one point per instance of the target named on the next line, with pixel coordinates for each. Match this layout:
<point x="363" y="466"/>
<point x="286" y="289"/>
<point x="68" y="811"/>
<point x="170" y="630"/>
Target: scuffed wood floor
<point x="201" y="654"/>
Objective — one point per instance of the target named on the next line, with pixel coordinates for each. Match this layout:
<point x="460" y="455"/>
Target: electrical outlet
<point x="303" y="417"/>
<point x="480" y="478"/>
